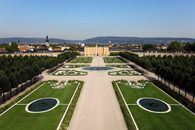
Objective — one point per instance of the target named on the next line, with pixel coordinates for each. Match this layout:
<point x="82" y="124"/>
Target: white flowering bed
<point x="137" y="85"/>
<point x="59" y="85"/>
<point x="125" y="73"/>
<point x="69" y="73"/>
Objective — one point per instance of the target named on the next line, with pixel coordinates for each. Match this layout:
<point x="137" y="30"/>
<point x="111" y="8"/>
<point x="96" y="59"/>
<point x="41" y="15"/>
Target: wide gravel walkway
<point x="97" y="108"/>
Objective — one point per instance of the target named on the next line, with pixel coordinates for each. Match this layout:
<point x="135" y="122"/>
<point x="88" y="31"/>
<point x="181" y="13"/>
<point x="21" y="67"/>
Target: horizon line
<point x="99" y="36"/>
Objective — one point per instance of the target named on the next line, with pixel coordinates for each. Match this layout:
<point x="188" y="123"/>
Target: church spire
<point x="47" y="39"/>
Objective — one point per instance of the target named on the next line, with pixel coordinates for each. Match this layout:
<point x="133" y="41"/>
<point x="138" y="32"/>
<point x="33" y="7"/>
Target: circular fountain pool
<point x="42" y="105"/>
<point x="153" y="105"/>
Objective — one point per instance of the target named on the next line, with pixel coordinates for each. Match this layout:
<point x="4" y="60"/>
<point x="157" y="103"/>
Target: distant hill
<point x="35" y="40"/>
<point x="136" y="40"/>
<point x="112" y="39"/>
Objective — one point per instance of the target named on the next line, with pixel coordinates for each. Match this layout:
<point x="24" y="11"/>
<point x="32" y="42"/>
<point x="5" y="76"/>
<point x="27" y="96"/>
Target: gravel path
<point x="97" y="108"/>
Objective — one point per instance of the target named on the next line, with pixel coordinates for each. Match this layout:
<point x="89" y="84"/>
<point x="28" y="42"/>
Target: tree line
<point x="179" y="70"/>
<point x="174" y="46"/>
<point x="12" y="47"/>
<point x="15" y="70"/>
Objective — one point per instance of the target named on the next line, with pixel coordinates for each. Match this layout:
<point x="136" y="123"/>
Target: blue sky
<point x="80" y="19"/>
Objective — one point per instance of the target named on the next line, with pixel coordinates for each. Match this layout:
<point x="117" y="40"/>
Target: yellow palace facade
<point x="96" y="51"/>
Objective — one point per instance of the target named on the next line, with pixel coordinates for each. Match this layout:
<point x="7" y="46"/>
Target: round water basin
<point x="42" y="105"/>
<point x="154" y="105"/>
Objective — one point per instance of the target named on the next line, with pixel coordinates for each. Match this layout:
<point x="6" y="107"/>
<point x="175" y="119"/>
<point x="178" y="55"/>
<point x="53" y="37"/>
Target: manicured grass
<point x="69" y="114"/>
<point x="20" y="97"/>
<point x="75" y="66"/>
<point x="177" y="119"/>
<point x="114" y="60"/>
<point x="82" y="60"/>
<point x="118" y="65"/>
<point x="69" y="73"/>
<point x="125" y="73"/>
<point x="18" y="119"/>
<point x="127" y="117"/>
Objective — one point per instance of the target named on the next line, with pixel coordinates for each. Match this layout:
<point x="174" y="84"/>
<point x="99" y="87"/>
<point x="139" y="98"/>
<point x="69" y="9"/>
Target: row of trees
<point x="178" y="46"/>
<point x="12" y="47"/>
<point x="147" y="47"/>
<point x="190" y="47"/>
<point x="179" y="70"/>
<point x="173" y="47"/>
<point x="18" y="69"/>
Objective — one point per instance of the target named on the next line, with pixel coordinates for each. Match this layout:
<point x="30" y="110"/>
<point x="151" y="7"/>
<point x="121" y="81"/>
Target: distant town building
<point x="82" y="44"/>
<point x="50" y="49"/>
<point x="2" y="50"/>
<point x="65" y="48"/>
<point x="57" y="49"/>
<point x="25" y="48"/>
<point x="163" y="47"/>
<point x="96" y="50"/>
<point x="42" y="47"/>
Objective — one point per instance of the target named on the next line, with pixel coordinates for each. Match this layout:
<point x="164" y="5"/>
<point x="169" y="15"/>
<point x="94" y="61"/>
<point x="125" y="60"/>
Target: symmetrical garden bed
<point x="82" y="60"/>
<point x="150" y="108"/>
<point x="118" y="65"/>
<point x="69" y="73"/>
<point x="74" y="66"/>
<point x="114" y="60"/>
<point x="44" y="108"/>
<point x="125" y="73"/>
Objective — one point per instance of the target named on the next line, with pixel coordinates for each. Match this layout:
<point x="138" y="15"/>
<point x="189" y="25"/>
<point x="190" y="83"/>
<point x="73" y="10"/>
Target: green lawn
<point x="69" y="73"/>
<point x="82" y="60"/>
<point x="125" y="73"/>
<point x="18" y="119"/>
<point x="114" y="60"/>
<point x="177" y="119"/>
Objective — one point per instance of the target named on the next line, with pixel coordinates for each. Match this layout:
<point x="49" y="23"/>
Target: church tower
<point x="47" y="41"/>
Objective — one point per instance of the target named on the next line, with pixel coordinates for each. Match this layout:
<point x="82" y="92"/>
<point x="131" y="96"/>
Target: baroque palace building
<point x="96" y="50"/>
